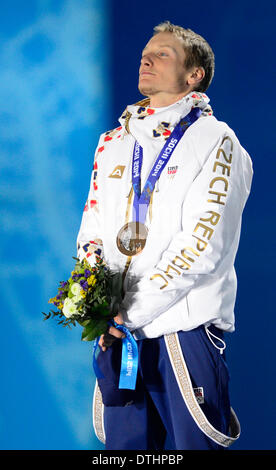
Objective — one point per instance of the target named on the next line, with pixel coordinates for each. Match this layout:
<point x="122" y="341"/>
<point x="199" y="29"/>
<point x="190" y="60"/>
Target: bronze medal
<point x="132" y="238"/>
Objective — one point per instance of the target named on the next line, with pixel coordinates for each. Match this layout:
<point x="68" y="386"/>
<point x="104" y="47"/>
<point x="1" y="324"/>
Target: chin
<point x="146" y="91"/>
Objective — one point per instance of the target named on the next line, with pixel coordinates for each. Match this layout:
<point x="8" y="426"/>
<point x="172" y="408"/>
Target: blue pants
<point x="159" y="418"/>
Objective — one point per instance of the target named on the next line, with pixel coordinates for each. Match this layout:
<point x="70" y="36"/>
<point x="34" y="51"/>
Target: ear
<point x="195" y="76"/>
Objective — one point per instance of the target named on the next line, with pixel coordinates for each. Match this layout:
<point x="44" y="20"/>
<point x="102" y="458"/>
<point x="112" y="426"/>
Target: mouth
<point x="145" y="74"/>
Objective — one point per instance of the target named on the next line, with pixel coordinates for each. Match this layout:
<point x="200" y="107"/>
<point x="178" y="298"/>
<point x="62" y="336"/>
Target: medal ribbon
<point x="129" y="361"/>
<point x="142" y="200"/>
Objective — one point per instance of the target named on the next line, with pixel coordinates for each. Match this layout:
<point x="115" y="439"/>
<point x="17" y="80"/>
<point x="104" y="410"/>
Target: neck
<point x="163" y="100"/>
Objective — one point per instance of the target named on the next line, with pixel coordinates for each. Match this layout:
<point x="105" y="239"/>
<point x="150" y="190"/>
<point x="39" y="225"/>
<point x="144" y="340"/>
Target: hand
<point x="113" y="333"/>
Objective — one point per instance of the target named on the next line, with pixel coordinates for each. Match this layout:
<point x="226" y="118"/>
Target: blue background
<point x="68" y="69"/>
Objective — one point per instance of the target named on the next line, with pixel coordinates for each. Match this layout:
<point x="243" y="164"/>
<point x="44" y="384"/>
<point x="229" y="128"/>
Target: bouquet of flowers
<point x="90" y="297"/>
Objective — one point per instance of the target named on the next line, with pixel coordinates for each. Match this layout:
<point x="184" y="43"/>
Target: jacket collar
<point x="160" y="121"/>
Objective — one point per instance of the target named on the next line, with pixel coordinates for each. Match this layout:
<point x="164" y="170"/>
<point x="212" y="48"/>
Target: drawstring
<point x="128" y="194"/>
<point x="209" y="334"/>
<point x="157" y="186"/>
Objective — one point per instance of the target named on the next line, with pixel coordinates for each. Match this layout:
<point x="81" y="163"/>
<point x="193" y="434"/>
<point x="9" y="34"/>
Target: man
<point x="175" y="243"/>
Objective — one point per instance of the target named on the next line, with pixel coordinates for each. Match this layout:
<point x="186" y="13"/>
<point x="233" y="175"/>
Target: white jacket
<point x="185" y="275"/>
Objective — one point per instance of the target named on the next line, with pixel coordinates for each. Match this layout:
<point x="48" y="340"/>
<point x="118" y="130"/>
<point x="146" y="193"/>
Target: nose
<point x="147" y="60"/>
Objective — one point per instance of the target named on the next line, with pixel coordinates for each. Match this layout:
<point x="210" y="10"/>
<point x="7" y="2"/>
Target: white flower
<point x="76" y="288"/>
<point x="69" y="308"/>
<point x="77" y="298"/>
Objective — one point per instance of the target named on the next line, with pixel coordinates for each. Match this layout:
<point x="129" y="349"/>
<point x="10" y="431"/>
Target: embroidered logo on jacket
<point x="117" y="172"/>
<point x="172" y="171"/>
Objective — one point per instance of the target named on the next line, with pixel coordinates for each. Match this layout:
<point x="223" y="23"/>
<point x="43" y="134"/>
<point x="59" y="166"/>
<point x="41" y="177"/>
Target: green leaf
<point x="87" y="335"/>
<point x="92" y="330"/>
<point x="84" y="323"/>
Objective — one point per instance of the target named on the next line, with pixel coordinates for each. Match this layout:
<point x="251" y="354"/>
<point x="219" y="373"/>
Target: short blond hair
<point x="198" y="52"/>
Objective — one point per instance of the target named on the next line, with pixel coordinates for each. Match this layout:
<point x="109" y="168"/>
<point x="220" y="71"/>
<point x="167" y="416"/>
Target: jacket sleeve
<point x="211" y="218"/>
<point x="89" y="243"/>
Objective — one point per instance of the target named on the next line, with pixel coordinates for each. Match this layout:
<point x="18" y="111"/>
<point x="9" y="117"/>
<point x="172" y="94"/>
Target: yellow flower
<point x="51" y="301"/>
<point x="60" y="306"/>
<point x="85" y="263"/>
<point x="91" y="280"/>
